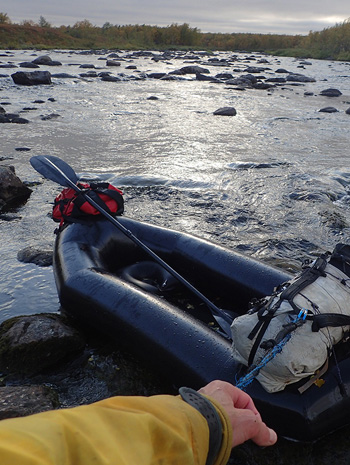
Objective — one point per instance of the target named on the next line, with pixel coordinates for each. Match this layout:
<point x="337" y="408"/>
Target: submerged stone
<point x="36" y="256"/>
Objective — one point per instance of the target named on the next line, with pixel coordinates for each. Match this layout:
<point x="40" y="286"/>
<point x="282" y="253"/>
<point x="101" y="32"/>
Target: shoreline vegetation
<point x="331" y="43"/>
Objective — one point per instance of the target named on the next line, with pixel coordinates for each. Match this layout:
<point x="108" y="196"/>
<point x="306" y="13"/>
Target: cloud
<point x="227" y="16"/>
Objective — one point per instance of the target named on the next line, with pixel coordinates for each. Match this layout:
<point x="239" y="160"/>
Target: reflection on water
<point x="272" y="181"/>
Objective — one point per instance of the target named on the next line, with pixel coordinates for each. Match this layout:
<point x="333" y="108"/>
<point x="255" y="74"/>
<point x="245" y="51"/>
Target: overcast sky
<point x="264" y="16"/>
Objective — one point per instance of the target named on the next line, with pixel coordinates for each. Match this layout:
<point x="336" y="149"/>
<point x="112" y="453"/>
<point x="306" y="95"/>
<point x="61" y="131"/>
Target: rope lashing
<point x="254" y="370"/>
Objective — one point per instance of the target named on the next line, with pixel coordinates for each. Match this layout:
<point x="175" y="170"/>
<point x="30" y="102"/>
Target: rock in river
<point x="226" y="111"/>
<point x="12" y="190"/>
<point x="329" y="110"/>
<point x="331" y="92"/>
<point x="31" y="78"/>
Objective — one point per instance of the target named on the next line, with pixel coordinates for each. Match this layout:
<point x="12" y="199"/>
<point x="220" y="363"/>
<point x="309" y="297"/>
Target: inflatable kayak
<point x="107" y="281"/>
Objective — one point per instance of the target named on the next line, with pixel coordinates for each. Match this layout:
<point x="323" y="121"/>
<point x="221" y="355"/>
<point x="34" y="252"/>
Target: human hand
<point x="245" y="419"/>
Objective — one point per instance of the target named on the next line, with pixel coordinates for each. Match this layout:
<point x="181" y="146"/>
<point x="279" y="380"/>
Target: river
<point x="272" y="181"/>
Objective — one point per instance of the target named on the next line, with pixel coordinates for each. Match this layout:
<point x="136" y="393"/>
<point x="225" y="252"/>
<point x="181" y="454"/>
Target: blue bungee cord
<point x="245" y="380"/>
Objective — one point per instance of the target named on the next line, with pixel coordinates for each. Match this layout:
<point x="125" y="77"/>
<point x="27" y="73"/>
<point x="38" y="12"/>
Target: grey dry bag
<point x="322" y="293"/>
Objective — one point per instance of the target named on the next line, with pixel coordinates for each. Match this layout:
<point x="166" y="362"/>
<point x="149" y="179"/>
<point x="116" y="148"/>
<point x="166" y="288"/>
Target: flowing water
<point x="272" y="181"/>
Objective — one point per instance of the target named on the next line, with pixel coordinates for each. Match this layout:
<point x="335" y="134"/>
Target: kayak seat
<point x="150" y="276"/>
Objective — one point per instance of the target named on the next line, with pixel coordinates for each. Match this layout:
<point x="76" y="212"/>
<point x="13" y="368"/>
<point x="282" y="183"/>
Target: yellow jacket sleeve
<point x="117" y="431"/>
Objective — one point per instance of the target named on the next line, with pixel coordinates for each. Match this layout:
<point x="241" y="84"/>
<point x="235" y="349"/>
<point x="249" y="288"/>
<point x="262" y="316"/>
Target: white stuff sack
<point x="306" y="351"/>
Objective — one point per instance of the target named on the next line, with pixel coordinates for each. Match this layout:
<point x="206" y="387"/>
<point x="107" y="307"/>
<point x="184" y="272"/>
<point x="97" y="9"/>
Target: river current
<point x="272" y="182"/>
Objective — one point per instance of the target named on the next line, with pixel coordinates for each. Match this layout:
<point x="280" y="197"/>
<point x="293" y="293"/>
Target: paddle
<point x="59" y="171"/>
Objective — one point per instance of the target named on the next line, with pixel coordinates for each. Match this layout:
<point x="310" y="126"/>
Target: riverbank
<point x="47" y="373"/>
<point x="331" y="43"/>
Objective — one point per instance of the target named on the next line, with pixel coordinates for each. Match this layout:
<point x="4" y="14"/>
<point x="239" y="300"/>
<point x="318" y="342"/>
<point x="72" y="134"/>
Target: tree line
<point x="330" y="43"/>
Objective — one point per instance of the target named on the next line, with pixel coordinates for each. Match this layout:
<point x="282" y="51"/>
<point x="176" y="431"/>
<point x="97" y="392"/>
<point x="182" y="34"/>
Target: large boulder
<point x="12" y="189"/>
<point x="30" y="344"/>
<point x="33" y="78"/>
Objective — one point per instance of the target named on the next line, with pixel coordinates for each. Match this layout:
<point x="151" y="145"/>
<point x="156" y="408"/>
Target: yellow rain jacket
<point x="117" y="431"/>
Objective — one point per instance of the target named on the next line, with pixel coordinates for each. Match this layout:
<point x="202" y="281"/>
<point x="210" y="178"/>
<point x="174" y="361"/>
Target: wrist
<point x="209" y="412"/>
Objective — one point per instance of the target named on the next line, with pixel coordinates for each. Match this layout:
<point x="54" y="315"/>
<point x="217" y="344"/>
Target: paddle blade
<point x="55" y="169"/>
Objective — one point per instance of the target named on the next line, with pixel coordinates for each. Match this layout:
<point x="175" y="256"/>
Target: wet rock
<point x="329" y="110"/>
<point x="50" y="117"/>
<point x="36" y="256"/>
<point x="277" y="79"/>
<point x="112" y="63"/>
<point x="169" y="77"/>
<point x="347" y="111"/>
<point x="12" y="190"/>
<point x="111" y="78"/>
<point x="254" y="70"/>
<point x="46" y="60"/>
<point x="31" y="78"/>
<point x="63" y="76"/>
<point x="331" y="93"/>
<point x="226" y="111"/>
<point x="89" y="74"/>
<point x="156" y="75"/>
<point x="28" y="64"/>
<point x="242" y="81"/>
<point x="203" y="77"/>
<point x="190" y="70"/>
<point x="30" y="344"/>
<point x="224" y="76"/>
<point x="263" y="85"/>
<point x="87" y="66"/>
<point x="4" y="119"/>
<point x="20" y="401"/>
<point x="18" y="120"/>
<point x="299" y="78"/>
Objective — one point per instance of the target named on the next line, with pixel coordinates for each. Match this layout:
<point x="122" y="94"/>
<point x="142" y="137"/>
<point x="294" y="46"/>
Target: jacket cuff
<point x="207" y="409"/>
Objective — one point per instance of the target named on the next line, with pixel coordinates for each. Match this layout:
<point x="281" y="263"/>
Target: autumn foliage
<point x="333" y="42"/>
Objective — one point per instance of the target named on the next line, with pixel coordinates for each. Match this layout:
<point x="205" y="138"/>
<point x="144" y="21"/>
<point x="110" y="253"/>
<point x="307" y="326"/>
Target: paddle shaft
<point x="221" y="317"/>
<point x="218" y="312"/>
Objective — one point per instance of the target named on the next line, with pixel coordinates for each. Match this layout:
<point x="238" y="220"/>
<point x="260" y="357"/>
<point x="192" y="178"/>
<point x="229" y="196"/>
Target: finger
<point x="265" y="436"/>
<point x="247" y="426"/>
